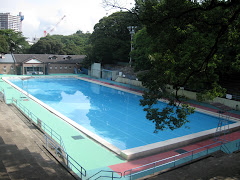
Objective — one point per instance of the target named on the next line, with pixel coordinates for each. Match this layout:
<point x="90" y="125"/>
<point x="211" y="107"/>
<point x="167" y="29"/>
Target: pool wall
<point x="137" y="152"/>
<point x="170" y="144"/>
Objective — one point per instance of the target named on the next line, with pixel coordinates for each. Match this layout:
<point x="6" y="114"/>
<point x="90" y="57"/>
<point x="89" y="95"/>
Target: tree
<point x="3" y="45"/>
<point x="45" y="46"/>
<point x="187" y="44"/>
<point x="189" y="38"/>
<point x="59" y="44"/>
<point x="110" y="41"/>
<point x="142" y="48"/>
<point x="16" y="42"/>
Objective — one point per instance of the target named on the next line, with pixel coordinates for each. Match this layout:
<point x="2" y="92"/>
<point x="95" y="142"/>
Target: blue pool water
<point x="114" y="115"/>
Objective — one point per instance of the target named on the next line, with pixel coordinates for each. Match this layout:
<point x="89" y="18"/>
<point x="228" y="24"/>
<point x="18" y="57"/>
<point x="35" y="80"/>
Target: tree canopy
<point x="110" y="40"/>
<point x="184" y="44"/>
<point x="3" y="45"/>
<point x="59" y="44"/>
<point x="12" y="42"/>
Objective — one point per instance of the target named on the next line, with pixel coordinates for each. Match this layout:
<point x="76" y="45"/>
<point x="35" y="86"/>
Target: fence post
<point x="174" y="160"/>
<point x="154" y="167"/>
<point x="56" y="150"/>
<point x="67" y="161"/>
<point x="46" y="141"/>
<point x="131" y="174"/>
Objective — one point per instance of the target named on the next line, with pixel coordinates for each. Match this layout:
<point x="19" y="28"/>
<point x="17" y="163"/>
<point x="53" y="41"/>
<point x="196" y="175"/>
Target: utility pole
<point x="132" y="31"/>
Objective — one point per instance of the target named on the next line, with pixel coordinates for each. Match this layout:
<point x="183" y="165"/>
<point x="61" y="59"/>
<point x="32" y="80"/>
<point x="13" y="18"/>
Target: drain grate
<point x="180" y="151"/>
<point x="77" y="137"/>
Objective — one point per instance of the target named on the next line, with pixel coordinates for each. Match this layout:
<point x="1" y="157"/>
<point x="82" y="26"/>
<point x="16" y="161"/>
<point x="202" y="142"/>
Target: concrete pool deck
<point x="88" y="153"/>
<point x="22" y="155"/>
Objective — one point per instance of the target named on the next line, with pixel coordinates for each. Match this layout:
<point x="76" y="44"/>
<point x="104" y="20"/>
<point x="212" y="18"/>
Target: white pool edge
<point x="170" y="144"/>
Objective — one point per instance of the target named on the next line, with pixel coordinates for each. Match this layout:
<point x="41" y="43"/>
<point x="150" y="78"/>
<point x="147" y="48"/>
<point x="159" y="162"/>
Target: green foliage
<point x="16" y="43"/>
<point x="142" y="45"/>
<point x="110" y="41"/>
<point x="58" y="44"/>
<point x="184" y="44"/>
<point x="46" y="46"/>
<point x="3" y="45"/>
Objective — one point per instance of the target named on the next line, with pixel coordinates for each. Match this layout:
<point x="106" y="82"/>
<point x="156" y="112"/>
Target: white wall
<point x="96" y="70"/>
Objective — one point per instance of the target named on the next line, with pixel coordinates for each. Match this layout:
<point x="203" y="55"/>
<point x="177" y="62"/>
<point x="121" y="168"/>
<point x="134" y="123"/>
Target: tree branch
<point x="214" y="48"/>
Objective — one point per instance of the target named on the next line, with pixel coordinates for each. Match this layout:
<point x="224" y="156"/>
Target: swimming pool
<point x="113" y="115"/>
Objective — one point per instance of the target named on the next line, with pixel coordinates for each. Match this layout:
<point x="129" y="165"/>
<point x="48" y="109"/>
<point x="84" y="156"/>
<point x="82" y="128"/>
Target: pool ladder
<point x="223" y="127"/>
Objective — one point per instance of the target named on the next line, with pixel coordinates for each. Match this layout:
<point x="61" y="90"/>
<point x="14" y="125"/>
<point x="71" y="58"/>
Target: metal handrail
<point x="58" y="149"/>
<point x="172" y="157"/>
<point x="238" y="145"/>
<point x="3" y="93"/>
<point x="71" y="163"/>
<point x="112" y="176"/>
<point x="44" y="126"/>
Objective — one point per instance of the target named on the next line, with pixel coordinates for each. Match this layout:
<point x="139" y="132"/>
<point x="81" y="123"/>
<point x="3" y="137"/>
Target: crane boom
<point x="45" y="32"/>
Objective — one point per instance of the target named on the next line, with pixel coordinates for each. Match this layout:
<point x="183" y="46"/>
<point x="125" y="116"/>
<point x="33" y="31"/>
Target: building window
<point x="55" y="67"/>
<point x="50" y="67"/>
<point x="4" y="69"/>
<point x="65" y="67"/>
<point x="70" y="67"/>
<point x="60" y="67"/>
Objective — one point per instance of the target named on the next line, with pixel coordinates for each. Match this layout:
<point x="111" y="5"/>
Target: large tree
<point x="59" y="44"/>
<point x="185" y="44"/>
<point x="47" y="46"/>
<point x="16" y="43"/>
<point x="3" y="45"/>
<point x="110" y="41"/>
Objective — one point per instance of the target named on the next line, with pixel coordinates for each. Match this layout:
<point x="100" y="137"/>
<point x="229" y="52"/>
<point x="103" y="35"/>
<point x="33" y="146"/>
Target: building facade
<point x="40" y="64"/>
<point x="8" y="21"/>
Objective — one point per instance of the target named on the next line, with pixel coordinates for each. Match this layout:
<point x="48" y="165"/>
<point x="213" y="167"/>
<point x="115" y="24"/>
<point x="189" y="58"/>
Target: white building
<point x="8" y="21"/>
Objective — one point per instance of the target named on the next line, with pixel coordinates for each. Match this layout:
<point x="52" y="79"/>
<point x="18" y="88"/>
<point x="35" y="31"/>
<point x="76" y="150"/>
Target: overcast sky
<point x="40" y="15"/>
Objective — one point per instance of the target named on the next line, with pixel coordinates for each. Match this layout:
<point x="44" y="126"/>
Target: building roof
<point x="6" y="58"/>
<point x="50" y="58"/>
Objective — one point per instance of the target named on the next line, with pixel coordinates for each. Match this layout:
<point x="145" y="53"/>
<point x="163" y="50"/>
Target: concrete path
<point x="22" y="155"/>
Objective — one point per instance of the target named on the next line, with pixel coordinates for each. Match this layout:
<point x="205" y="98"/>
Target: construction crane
<point x="45" y="32"/>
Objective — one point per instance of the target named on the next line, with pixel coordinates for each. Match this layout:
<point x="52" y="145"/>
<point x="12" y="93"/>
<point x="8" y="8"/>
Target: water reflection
<point x="79" y="108"/>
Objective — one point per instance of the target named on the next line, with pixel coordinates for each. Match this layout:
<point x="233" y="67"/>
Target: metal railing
<point x="43" y="126"/>
<point x="51" y="138"/>
<point x="2" y="93"/>
<point x="236" y="97"/>
<point x="70" y="162"/>
<point x="172" y="161"/>
<point x="238" y="146"/>
<point x="106" y="176"/>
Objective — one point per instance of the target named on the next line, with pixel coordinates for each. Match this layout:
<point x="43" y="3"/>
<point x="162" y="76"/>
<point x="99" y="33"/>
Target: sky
<point x="41" y="15"/>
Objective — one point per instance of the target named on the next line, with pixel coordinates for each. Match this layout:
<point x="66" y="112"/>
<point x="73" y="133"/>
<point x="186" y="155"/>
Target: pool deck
<point x="113" y="162"/>
<point x="146" y="160"/>
<point x="22" y="155"/>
